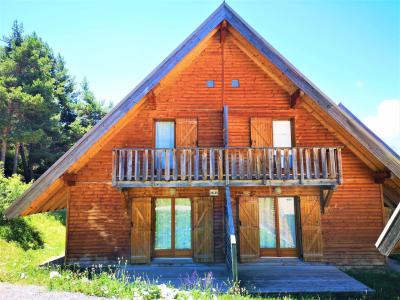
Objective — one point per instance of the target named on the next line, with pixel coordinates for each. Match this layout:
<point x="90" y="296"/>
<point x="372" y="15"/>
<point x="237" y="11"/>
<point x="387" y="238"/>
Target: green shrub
<point x="10" y="189"/>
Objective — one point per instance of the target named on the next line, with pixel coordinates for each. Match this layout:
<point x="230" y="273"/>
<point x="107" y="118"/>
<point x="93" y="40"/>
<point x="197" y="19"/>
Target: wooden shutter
<point x="186" y="132"/>
<point x="261" y="132"/>
<point x="141" y="230"/>
<point x="203" y="237"/>
<point x="249" y="229"/>
<point x="311" y="232"/>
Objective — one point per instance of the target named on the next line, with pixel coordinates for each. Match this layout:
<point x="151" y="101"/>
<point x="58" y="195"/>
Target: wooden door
<point x="311" y="232"/>
<point x="186" y="132"/>
<point x="249" y="229"/>
<point x="141" y="230"/>
<point x="261" y="132"/>
<point x="203" y="237"/>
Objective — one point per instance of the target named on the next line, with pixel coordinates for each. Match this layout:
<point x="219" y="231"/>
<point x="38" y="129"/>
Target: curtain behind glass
<point x="183" y="223"/>
<point x="266" y="213"/>
<point x="165" y="138"/>
<point x="163" y="224"/>
<point x="287" y="222"/>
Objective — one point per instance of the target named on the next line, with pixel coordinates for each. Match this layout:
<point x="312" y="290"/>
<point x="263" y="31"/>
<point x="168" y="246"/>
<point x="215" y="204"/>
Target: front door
<point x="277" y="221"/>
<point x="173" y="227"/>
<point x="267" y="227"/>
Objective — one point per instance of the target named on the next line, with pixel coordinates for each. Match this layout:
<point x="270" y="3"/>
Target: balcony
<point x="182" y="167"/>
<point x="227" y="166"/>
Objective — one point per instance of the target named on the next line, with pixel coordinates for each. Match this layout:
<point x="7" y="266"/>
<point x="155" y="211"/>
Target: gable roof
<point x="223" y="12"/>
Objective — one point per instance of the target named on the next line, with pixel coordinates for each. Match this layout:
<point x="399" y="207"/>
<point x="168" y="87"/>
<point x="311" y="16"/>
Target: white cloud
<point x="386" y="123"/>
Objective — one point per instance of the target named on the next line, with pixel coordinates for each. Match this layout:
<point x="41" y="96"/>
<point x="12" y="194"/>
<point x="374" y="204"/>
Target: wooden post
<point x="220" y="165"/>
<point x="196" y="164"/>
<point x="241" y="165"/>
<point x="167" y="168"/>
<point x="249" y="164"/>
<point x="278" y="164"/>
<point x="137" y="165"/>
<point x="308" y="163"/>
<point x="174" y="166"/>
<point x="146" y="165"/>
<point x="271" y="163"/>
<point x="212" y="164"/>
<point x="339" y="154"/>
<point x="316" y="163"/>
<point x="287" y="163"/>
<point x="129" y="166"/>
<point x="204" y="164"/>
<point x="324" y="165"/>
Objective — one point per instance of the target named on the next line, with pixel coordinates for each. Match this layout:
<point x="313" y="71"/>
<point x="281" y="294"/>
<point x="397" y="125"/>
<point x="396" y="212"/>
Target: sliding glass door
<point x="277" y="223"/>
<point x="173" y="227"/>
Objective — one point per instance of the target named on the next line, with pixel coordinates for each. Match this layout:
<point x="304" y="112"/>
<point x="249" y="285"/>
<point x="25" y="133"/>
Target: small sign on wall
<point x="213" y="192"/>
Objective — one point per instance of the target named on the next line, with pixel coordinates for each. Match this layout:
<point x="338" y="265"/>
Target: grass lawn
<point x="27" y="242"/>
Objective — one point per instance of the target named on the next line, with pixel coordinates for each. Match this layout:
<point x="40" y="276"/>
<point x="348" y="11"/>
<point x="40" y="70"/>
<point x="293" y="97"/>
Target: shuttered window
<point x="186" y="132"/>
<point x="282" y="133"/>
<point x="261" y="132"/>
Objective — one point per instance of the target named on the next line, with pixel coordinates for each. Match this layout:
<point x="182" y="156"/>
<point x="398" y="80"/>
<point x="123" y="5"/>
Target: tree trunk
<point x="3" y="151"/>
<point x="16" y="155"/>
<point x="29" y="162"/>
<point x="24" y="163"/>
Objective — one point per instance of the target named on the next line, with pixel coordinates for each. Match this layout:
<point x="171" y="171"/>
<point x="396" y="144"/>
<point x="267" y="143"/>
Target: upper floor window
<point x="210" y="83"/>
<point x="235" y="83"/>
<point x="165" y="134"/>
<point x="282" y="133"/>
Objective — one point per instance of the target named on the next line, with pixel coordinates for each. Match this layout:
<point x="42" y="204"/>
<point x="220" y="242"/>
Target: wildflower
<point x="23" y="275"/>
<point x="54" y="274"/>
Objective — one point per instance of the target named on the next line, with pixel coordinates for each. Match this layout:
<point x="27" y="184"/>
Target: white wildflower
<point x="54" y="274"/>
<point x="23" y="275"/>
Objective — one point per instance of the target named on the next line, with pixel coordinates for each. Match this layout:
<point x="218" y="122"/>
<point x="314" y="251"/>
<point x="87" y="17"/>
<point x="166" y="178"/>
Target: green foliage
<point x="10" y="189"/>
<point x="40" y="106"/>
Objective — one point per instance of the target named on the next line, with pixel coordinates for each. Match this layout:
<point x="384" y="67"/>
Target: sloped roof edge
<point x="223" y="12"/>
<point x="390" y="235"/>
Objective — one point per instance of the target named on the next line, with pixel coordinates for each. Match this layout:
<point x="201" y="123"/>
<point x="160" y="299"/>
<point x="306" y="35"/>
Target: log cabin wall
<point x="98" y="223"/>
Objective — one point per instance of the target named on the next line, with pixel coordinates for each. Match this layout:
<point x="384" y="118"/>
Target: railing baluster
<point x="316" y="162"/>
<point x="264" y="165"/>
<point x="129" y="165"/>
<point x="152" y="166"/>
<point x="287" y="163"/>
<point x="332" y="163"/>
<point x="220" y="165"/>
<point x="121" y="164"/>
<point x="137" y="165"/>
<point x="196" y="164"/>
<point x="339" y="156"/>
<point x="308" y="163"/>
<point x="159" y="164"/>
<point x="174" y="166"/>
<point x="189" y="165"/>
<point x="258" y="163"/>
<point x="294" y="163"/>
<point x="146" y="165"/>
<point x="301" y="166"/>
<point x="278" y="163"/>
<point x="249" y="164"/>
<point x="233" y="163"/>
<point x="324" y="165"/>
<point x="241" y="165"/>
<point x="183" y="165"/>
<point x="271" y="163"/>
<point x="204" y="164"/>
<point x="167" y="171"/>
<point x="212" y="164"/>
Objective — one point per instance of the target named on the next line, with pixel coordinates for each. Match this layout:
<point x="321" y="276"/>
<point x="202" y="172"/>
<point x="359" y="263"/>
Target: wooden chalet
<point x="224" y="153"/>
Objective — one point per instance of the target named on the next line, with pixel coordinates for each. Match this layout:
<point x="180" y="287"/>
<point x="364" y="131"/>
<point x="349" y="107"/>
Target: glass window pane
<point x="165" y="138"/>
<point x="282" y="135"/>
<point x="183" y="224"/>
<point x="266" y="213"/>
<point x="163" y="224"/>
<point x="287" y="222"/>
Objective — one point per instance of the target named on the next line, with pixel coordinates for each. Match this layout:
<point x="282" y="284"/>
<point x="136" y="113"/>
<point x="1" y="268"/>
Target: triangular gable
<point x="223" y="12"/>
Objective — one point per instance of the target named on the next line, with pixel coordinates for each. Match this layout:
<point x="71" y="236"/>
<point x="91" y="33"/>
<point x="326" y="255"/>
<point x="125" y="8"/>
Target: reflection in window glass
<point x="267" y="223"/>
<point x="163" y="224"/>
<point x="165" y="138"/>
<point x="182" y="223"/>
<point x="287" y="223"/>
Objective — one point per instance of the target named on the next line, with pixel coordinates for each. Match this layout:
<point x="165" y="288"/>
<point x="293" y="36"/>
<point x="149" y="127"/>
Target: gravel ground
<point x="33" y="292"/>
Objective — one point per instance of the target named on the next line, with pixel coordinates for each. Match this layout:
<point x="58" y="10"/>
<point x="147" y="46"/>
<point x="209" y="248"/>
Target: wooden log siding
<point x="216" y="166"/>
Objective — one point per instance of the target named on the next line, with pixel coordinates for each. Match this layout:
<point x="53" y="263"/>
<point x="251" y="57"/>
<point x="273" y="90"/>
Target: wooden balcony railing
<point x="222" y="166"/>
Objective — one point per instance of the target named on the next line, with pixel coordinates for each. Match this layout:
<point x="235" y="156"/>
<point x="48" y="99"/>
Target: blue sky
<point x="349" y="49"/>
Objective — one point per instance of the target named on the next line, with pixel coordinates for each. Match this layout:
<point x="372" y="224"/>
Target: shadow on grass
<point x="60" y="215"/>
<point x="19" y="231"/>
